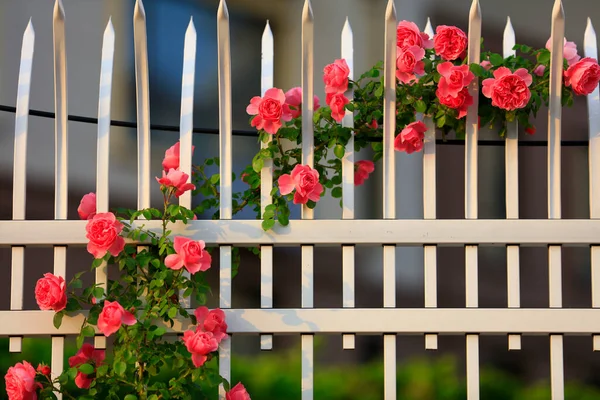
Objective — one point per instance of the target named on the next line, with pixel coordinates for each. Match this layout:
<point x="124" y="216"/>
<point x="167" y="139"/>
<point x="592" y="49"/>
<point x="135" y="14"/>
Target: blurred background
<point x="167" y="21"/>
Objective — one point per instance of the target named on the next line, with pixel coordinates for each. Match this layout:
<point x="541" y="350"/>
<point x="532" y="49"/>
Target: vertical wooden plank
<point x="472" y="136"/>
<point x="20" y="173"/>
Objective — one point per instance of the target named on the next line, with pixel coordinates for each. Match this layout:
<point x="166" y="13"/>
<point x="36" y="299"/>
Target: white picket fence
<point x="387" y="232"/>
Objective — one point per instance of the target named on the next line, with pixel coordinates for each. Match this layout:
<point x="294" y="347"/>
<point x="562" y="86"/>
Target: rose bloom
<point x="335" y="77"/>
<point x="238" y="392"/>
<point x="20" y="382"/>
<point x="177" y="180"/>
<point x="449" y="42"/>
<point x="337" y="102"/>
<point x="453" y="79"/>
<point x="306" y="182"/>
<point x="539" y="70"/>
<point x="270" y="111"/>
<point x="211" y="321"/>
<point x="485" y="64"/>
<point x="112" y="316"/>
<point x="408" y="63"/>
<point x="408" y="34"/>
<point x="508" y="90"/>
<point x="200" y="344"/>
<point x="411" y="138"/>
<point x="293" y="97"/>
<point x="103" y="234"/>
<point x="583" y="76"/>
<point x="461" y="102"/>
<point x="51" y="292"/>
<point x="87" y="354"/>
<point x="43" y="369"/>
<point x="569" y="51"/>
<point x="363" y="169"/>
<point x="87" y="206"/>
<point x="189" y="254"/>
<point x="171" y="159"/>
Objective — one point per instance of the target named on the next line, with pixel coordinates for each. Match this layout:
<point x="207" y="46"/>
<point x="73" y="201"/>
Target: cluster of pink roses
<point x="335" y="77"/>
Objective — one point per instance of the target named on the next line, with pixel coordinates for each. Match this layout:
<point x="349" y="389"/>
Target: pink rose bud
<point x="271" y="111"/>
<point x="200" y="344"/>
<point x="190" y="254"/>
<point x="103" y="235"/>
<point x="43" y="369"/>
<point x="87" y="206"/>
<point x="363" y="169"/>
<point x="530" y="130"/>
<point x="539" y="70"/>
<point x="508" y="90"/>
<point x="335" y="77"/>
<point x="449" y="42"/>
<point x="373" y="124"/>
<point x="51" y="293"/>
<point x="87" y="354"/>
<point x="485" y="64"/>
<point x="171" y="160"/>
<point x="176" y="180"/>
<point x="411" y="138"/>
<point x="20" y="382"/>
<point x="238" y="392"/>
<point x="112" y="316"/>
<point x="337" y="102"/>
<point x="305" y="180"/>
<point x="293" y="97"/>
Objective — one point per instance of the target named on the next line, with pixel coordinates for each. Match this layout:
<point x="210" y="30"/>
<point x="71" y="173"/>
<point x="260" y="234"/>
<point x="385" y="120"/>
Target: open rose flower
<point x="453" y="79"/>
<point x="363" y="169"/>
<point x="112" y="316"/>
<point x="271" y="111"/>
<point x="306" y="182"/>
<point x="103" y="235"/>
<point x="177" y="180"/>
<point x="409" y="63"/>
<point x="87" y="354"/>
<point x="238" y="392"/>
<point x="583" y="76"/>
<point x="411" y="138"/>
<point x="460" y="102"/>
<point x="449" y="42"/>
<point x="87" y="206"/>
<point x="211" y="321"/>
<point x="569" y="51"/>
<point x="293" y="97"/>
<point x="51" y="293"/>
<point x="508" y="90"/>
<point x="171" y="160"/>
<point x="190" y="254"/>
<point x="337" y="102"/>
<point x="335" y="77"/>
<point x="200" y="344"/>
<point x="408" y="35"/>
<point x="20" y="382"/>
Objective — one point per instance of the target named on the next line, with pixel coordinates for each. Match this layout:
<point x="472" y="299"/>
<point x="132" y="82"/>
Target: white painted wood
<point x="15" y="343"/>
<point x="473" y="366"/>
<point x="308" y="363"/>
<point x="348" y="289"/>
<point x="389" y="366"/>
<point x="266" y="289"/>
<point x="307" y="276"/>
<point x="225" y="303"/>
<point x="57" y="364"/>
<point x="557" y="380"/>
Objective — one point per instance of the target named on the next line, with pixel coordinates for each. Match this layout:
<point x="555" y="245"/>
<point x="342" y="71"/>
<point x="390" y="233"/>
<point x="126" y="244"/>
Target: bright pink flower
<point x="103" y="234"/>
<point x="508" y="90"/>
<point x="200" y="344"/>
<point x="306" y="182"/>
<point x="293" y="97"/>
<point x="112" y="316"/>
<point x="363" y="169"/>
<point x="461" y="102"/>
<point x="373" y="124"/>
<point x="335" y="76"/>
<point x="171" y="159"/>
<point x="337" y="102"/>
<point x="212" y="321"/>
<point x="270" y="111"/>
<point x="449" y="42"/>
<point x="583" y="76"/>
<point x="189" y="254"/>
<point x="51" y="292"/>
<point x="87" y="206"/>
<point x="238" y="392"/>
<point x="411" y="138"/>
<point x="539" y="70"/>
<point x="569" y="51"/>
<point x="87" y="354"/>
<point x="409" y="64"/>
<point x="530" y="130"/>
<point x="408" y="34"/>
<point x="20" y="382"/>
<point x="43" y="369"/>
<point x="177" y="180"/>
<point x="453" y="79"/>
<point x="485" y="64"/>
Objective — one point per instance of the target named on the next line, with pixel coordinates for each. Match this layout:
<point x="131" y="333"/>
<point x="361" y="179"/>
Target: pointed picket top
<point x="348" y="47"/>
<point x="222" y="12"/>
<point x="558" y="13"/>
<point x="590" y="45"/>
<point x="308" y="38"/>
<point x="590" y="41"/>
<point x="429" y="28"/>
<point x="390" y="11"/>
<point x="138" y="11"/>
<point x="307" y="12"/>
<point x="59" y="10"/>
<point x="267" y="59"/>
<point x="509" y="39"/>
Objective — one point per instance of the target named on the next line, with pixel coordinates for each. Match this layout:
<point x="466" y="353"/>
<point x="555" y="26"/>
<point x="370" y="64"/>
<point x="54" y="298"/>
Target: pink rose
<point x="583" y="76"/>
<point x="508" y="90"/>
<point x="103" y="233"/>
<point x="335" y="77"/>
<point x="200" y="344"/>
<point x="449" y="42"/>
<point x="171" y="159"/>
<point x="43" y="369"/>
<point x="485" y="64"/>
<point x="337" y="102"/>
<point x="293" y="97"/>
<point x="539" y="70"/>
<point x="569" y="51"/>
<point x="453" y="78"/>
<point x="212" y="321"/>
<point x="238" y="392"/>
<point x="51" y="293"/>
<point x="176" y="180"/>
<point x="112" y="316"/>
<point x="461" y="102"/>
<point x="270" y="111"/>
<point x="408" y="63"/>
<point x="87" y="354"/>
<point x="408" y="34"/>
<point x="411" y="138"/>
<point x="306" y="182"/>
<point x="363" y="169"/>
<point x="20" y="382"/>
<point x="373" y="124"/>
<point x="189" y="254"/>
<point x="87" y="206"/>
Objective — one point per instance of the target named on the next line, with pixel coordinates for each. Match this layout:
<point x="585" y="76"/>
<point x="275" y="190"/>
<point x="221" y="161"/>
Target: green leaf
<point x="543" y="57"/>
<point x="379" y="92"/>
<point x="268" y="224"/>
<point x="420" y="106"/>
<point x="441" y="121"/>
<point x="336" y="192"/>
<point x="283" y="219"/>
<point x="257" y="164"/>
<point x="57" y="320"/>
<point x="88" y="331"/>
<point x="130" y="397"/>
<point x="172" y="312"/>
<point x="120" y="367"/>
<point x="339" y="151"/>
<point x="161" y="330"/>
<point x="86" y="369"/>
<point x="98" y="292"/>
<point x="76" y="284"/>
<point x="477" y="69"/>
<point x="72" y="373"/>
<point x="269" y="214"/>
<point x="496" y="59"/>
<point x="215" y="179"/>
<point x="102" y="370"/>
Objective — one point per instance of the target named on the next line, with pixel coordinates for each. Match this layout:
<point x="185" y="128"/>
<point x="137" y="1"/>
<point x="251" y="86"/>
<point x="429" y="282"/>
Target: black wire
<point x="253" y="133"/>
